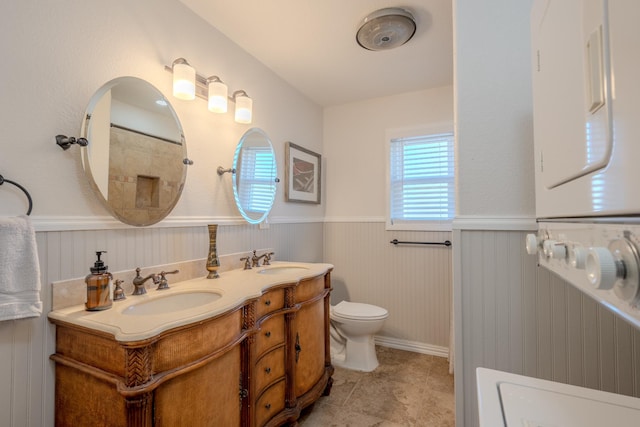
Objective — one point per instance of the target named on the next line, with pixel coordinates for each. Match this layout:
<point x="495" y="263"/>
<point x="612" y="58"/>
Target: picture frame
<point x="303" y="174"/>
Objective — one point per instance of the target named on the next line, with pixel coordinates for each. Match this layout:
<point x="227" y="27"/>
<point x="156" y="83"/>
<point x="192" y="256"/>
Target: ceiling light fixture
<point x="386" y="29"/>
<point x="187" y="85"/>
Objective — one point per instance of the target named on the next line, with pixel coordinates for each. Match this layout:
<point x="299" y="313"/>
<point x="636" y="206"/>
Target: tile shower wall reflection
<point x="142" y="186"/>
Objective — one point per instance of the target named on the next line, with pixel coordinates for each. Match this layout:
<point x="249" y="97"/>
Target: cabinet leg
<point x="327" y="389"/>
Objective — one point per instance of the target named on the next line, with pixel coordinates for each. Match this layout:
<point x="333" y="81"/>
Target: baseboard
<point x="416" y="347"/>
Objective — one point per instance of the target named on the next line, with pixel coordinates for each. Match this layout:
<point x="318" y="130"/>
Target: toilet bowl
<point x="353" y="326"/>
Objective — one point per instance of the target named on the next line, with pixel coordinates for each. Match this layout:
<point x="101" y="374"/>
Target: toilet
<point x="353" y="326"/>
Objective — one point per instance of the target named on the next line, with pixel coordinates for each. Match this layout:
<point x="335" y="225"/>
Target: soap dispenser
<point x="98" y="286"/>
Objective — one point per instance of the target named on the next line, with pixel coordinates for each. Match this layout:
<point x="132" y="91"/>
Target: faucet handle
<point x="163" y="283"/>
<point x="118" y="292"/>
<point x="247" y="263"/>
<point x="267" y="258"/>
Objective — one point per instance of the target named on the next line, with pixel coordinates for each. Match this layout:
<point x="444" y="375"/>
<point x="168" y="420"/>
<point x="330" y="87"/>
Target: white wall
<point x="354" y="147"/>
<point x="62" y="52"/>
<point x="494" y="128"/>
<point x="412" y="283"/>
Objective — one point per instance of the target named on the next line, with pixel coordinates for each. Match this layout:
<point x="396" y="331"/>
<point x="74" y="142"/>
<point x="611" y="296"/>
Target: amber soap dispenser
<point x="98" y="286"/>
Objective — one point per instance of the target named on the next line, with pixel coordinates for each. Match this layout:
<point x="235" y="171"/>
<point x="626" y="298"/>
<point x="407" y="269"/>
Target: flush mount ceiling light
<point x="386" y="29"/>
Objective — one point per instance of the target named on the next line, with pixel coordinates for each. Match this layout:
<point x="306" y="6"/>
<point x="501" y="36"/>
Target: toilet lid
<point x="356" y="310"/>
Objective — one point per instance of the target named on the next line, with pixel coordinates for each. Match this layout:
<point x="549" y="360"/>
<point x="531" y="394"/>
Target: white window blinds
<point x="422" y="178"/>
<point x="256" y="174"/>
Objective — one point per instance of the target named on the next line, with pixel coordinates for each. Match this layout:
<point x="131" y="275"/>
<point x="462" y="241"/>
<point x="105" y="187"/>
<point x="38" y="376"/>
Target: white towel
<point x="19" y="269"/>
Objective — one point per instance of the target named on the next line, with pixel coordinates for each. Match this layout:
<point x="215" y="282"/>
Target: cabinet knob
<point x="267" y="334"/>
<point x="267" y="302"/>
<point x="267" y="370"/>
<point x="268" y="406"/>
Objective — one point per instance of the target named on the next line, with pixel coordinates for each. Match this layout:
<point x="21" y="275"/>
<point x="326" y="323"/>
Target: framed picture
<point x="302" y="174"/>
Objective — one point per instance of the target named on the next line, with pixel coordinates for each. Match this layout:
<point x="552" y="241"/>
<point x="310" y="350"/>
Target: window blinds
<point x="422" y="178"/>
<point x="256" y="174"/>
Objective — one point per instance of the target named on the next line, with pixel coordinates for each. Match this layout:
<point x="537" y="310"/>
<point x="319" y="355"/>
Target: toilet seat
<point x="358" y="311"/>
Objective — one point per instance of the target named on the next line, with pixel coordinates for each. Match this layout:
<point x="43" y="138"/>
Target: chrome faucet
<point x="138" y="282"/>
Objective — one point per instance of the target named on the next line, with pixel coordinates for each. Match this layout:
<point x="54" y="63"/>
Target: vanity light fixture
<point x="187" y="85"/>
<point x="184" y="80"/>
<point x="244" y="106"/>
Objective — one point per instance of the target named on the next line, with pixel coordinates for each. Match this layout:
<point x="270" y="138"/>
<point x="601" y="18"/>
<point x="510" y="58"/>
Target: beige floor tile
<point x="407" y="389"/>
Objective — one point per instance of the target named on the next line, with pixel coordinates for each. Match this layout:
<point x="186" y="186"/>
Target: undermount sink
<point x="170" y="303"/>
<point x="282" y="269"/>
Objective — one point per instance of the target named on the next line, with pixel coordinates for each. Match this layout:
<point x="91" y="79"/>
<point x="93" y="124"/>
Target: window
<point x="421" y="187"/>
<point x="257" y="170"/>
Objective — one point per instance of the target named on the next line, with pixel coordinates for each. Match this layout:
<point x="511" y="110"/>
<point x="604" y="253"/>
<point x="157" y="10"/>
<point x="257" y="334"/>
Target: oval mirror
<point x="255" y="176"/>
<point x="136" y="157"/>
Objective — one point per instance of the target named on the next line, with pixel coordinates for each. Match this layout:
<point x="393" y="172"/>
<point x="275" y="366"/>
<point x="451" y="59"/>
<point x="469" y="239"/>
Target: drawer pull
<point x="268" y="406"/>
<point x="267" y="302"/>
<point x="267" y="334"/>
<point x="267" y="370"/>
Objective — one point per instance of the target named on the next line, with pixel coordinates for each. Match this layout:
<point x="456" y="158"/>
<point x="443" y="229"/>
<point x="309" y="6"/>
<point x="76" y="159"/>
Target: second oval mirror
<point x="136" y="155"/>
<point x="255" y="177"/>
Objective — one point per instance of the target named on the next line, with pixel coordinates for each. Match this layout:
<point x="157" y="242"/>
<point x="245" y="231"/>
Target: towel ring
<point x="24" y="190"/>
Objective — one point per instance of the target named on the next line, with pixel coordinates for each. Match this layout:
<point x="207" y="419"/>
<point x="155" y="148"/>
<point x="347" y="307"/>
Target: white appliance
<point x="511" y="400"/>
<point x="586" y="90"/>
<point x="586" y="70"/>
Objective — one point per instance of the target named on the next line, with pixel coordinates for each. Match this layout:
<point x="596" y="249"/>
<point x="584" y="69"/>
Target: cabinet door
<point x="207" y="396"/>
<point x="309" y="346"/>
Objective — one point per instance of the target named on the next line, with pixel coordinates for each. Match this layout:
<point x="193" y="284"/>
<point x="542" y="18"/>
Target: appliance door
<point x="585" y="69"/>
<point x="511" y="400"/>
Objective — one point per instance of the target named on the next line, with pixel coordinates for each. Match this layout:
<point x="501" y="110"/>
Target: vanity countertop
<point x="233" y="287"/>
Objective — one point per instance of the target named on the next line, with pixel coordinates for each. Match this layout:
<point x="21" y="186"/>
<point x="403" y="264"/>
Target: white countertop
<point x="234" y="286"/>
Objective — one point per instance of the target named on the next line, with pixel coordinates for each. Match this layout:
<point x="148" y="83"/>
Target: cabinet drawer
<point x="270" y="403"/>
<point x="269" y="368"/>
<point x="269" y="302"/>
<point x="307" y="289"/>
<point x="271" y="334"/>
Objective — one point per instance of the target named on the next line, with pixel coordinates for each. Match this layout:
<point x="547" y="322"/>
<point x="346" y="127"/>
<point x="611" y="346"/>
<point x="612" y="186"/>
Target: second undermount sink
<point x="170" y="303"/>
<point x="282" y="269"/>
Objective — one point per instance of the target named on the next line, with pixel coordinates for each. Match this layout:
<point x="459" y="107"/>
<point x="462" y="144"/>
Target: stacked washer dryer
<point x="586" y="95"/>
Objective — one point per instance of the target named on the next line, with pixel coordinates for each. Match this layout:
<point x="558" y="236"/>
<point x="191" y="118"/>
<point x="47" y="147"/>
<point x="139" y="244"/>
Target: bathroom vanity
<point x="248" y="349"/>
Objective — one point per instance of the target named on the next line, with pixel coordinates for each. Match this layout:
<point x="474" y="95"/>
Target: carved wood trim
<point x="138" y="366"/>
<point x="139" y="410"/>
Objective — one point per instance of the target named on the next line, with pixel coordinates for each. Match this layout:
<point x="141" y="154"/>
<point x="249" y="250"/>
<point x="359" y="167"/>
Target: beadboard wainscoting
<point x="413" y="282"/>
<point x="514" y="316"/>
<point x="27" y="375"/>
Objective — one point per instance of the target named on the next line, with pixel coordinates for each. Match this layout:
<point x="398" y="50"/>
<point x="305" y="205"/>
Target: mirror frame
<point x="86" y="162"/>
<point x="236" y="158"/>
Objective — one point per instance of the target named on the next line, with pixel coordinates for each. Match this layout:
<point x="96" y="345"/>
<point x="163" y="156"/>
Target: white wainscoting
<point x="27" y="374"/>
<point x="514" y="316"/>
<point x="413" y="282"/>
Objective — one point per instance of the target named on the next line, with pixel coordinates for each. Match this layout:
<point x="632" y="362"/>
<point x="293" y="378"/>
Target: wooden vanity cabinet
<point x="257" y="365"/>
<point x="185" y="376"/>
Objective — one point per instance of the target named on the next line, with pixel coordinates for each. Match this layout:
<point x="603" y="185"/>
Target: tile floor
<point x="407" y="389"/>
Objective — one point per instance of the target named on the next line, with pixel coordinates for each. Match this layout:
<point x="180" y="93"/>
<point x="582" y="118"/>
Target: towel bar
<point x="3" y="180"/>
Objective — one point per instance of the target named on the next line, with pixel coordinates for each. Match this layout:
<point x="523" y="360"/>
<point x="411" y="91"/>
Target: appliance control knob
<point x="577" y="257"/>
<point x="603" y="269"/>
<point x="532" y="244"/>
<point x="554" y="249"/>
